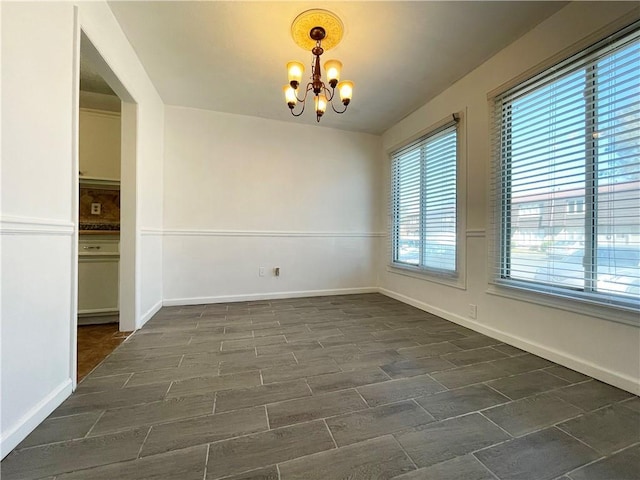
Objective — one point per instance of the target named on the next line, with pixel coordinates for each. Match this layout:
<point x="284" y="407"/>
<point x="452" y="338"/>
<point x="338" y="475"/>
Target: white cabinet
<point x="98" y="275"/>
<point x="99" y="145"/>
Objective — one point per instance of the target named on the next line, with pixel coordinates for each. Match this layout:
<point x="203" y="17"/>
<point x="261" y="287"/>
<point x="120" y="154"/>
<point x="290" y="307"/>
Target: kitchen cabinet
<point x="99" y="144"/>
<point x="98" y="277"/>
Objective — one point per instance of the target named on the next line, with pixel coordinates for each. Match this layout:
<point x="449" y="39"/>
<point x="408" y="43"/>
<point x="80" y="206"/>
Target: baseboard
<point x="267" y="296"/>
<point x="625" y="382"/>
<point x="25" y="425"/>
<point x="150" y="313"/>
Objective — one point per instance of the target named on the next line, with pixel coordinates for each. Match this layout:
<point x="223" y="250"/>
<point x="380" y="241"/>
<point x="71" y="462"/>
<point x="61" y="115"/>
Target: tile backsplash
<point x="109" y="216"/>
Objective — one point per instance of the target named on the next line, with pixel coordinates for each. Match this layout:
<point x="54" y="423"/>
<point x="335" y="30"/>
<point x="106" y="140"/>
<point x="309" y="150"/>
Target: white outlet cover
<point x="96" y="208"/>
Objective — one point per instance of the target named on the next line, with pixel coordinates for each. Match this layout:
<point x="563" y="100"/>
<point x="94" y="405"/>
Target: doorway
<point x="105" y="205"/>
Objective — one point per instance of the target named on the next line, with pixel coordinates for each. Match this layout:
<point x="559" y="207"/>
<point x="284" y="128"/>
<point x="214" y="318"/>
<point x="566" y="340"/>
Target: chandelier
<point x="317" y="30"/>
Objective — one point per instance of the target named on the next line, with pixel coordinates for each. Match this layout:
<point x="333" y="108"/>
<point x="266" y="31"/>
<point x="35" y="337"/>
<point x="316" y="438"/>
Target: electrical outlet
<point x="96" y="208"/>
<point x="261" y="271"/>
<point x="473" y="310"/>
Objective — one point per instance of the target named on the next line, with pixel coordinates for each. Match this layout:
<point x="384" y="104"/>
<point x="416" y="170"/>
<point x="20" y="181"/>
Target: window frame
<point x="455" y="278"/>
<point x="587" y="301"/>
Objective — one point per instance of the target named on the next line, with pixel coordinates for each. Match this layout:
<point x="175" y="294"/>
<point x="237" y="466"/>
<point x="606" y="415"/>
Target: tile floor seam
<point x="206" y="462"/>
<point x="504" y="394"/>
<point x="244" y="435"/>
<point x="484" y="409"/>
<point x="584" y="465"/>
<point x="381" y="369"/>
<point x="603" y="457"/>
<point x="483" y="362"/>
<point x="634" y="444"/>
<point x="493" y="474"/>
<point x="546" y="370"/>
<point x="307" y="385"/>
<point x="486" y="466"/>
<point x="486" y="384"/>
<point x="158" y="423"/>
<point x="330" y="433"/>
<point x="278" y="471"/>
<point x="626" y="400"/>
<point x="215" y="401"/>
<point x="358" y="391"/>
<point x="494" y="423"/>
<point x="415" y="465"/>
<point x="502" y="442"/>
<point x="588" y="412"/>
<point x="144" y="441"/>
<point x="266" y="413"/>
<point x="414" y="400"/>
<point x="168" y="389"/>
<point x="86" y="435"/>
<point x="579" y="440"/>
<point x="428" y="375"/>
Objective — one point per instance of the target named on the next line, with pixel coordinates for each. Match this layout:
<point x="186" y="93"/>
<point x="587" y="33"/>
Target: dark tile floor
<point x="358" y="387"/>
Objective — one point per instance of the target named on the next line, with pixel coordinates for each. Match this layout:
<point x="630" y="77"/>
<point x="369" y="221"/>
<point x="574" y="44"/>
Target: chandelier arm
<point x="328" y="94"/>
<point x="304" y="99"/>
<point x="338" y="111"/>
<point x="301" y="111"/>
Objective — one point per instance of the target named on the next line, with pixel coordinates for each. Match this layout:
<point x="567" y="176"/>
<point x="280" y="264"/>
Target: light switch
<point x="96" y="208"/>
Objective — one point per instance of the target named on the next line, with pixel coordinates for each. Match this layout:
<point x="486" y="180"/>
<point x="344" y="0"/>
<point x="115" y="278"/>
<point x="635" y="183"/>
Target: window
<point x="568" y="140"/>
<point x="424" y="197"/>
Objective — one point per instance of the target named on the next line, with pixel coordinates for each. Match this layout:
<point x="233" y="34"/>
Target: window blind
<point x="566" y="181"/>
<point x="424" y="196"/>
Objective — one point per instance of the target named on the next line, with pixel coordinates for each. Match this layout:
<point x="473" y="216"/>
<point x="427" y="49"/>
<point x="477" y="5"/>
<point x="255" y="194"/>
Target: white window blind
<point x="566" y="181"/>
<point x="424" y="196"/>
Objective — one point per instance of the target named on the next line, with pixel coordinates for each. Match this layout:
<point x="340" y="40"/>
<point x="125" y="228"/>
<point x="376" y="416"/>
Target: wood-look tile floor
<point x="358" y="387"/>
<point x="95" y="343"/>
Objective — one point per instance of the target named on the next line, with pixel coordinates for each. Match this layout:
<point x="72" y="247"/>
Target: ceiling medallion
<point x="304" y="22"/>
<point x="317" y="30"/>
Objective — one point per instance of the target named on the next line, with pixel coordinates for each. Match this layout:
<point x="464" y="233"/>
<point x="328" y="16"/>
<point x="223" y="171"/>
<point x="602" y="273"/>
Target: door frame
<point x="129" y="271"/>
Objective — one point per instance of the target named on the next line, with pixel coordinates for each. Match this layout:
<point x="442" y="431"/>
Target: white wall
<point x="99" y="24"/>
<point x="601" y="348"/>
<point x="37" y="216"/>
<point x="39" y="175"/>
<point x="243" y="192"/>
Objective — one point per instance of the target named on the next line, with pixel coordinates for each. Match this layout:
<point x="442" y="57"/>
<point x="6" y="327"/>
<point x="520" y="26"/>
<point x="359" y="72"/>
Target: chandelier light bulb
<point x="321" y="104"/>
<point x="346" y="91"/>
<point x="295" y="70"/>
<point x="333" y="69"/>
<point x="290" y="96"/>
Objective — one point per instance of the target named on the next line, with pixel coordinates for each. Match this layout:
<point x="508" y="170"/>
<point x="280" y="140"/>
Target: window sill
<point x="551" y="299"/>
<point x="455" y="281"/>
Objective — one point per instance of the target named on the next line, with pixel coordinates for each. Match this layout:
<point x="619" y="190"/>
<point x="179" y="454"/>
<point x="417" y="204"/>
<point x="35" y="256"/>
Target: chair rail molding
<point x="19" y="225"/>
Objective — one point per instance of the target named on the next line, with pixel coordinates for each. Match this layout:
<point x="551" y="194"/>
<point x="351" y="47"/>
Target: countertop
<point x="99" y="232"/>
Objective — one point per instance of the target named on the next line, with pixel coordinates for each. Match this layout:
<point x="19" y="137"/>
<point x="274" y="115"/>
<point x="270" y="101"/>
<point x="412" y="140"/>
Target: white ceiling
<point x="230" y="56"/>
<point x="90" y="79"/>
